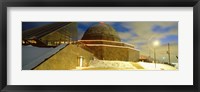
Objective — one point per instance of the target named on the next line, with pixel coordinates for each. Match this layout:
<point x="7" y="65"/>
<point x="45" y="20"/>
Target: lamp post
<point x="148" y="44"/>
<point x="155" y="44"/>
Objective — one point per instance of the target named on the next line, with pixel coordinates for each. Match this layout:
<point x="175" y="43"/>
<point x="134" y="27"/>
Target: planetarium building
<point x="104" y="42"/>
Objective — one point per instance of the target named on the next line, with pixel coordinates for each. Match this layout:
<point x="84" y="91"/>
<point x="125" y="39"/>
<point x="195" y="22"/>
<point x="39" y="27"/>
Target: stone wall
<point x="133" y="55"/>
<point x="115" y="53"/>
<point x="66" y="59"/>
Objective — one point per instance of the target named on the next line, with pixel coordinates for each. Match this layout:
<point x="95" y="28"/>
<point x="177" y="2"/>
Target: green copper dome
<point x="101" y="31"/>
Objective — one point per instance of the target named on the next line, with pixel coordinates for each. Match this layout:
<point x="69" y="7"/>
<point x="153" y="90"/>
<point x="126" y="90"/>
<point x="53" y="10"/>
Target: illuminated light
<point x="32" y="41"/>
<point x="57" y="42"/>
<point x="62" y="42"/>
<point x="81" y="61"/>
<point x="50" y="43"/>
<point x="163" y="57"/>
<point x="156" y="43"/>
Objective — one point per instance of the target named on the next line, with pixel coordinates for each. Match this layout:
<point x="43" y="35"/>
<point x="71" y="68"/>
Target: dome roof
<point x="101" y="31"/>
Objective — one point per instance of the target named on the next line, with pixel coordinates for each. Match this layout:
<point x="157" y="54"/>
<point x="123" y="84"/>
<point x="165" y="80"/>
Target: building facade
<point x="50" y="35"/>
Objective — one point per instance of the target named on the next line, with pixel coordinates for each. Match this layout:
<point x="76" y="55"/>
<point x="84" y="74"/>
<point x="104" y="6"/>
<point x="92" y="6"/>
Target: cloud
<point x="125" y="32"/>
<point x="127" y="36"/>
<point x="163" y="29"/>
<point x="169" y="39"/>
<point x="120" y="27"/>
<point x="145" y="32"/>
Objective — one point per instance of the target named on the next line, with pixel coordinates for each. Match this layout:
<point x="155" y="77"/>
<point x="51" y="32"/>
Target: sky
<point x="141" y="34"/>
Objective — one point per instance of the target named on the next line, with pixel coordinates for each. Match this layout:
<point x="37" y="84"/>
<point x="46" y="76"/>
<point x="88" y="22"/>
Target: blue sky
<point x="140" y="34"/>
<point x="28" y="25"/>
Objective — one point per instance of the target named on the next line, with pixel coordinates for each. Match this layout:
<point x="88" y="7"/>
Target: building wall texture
<point x="115" y="53"/>
<point x="133" y="55"/>
<point x="66" y="59"/>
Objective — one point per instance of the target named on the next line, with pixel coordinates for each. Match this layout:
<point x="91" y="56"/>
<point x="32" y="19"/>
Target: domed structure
<point x="104" y="43"/>
<point x="101" y="31"/>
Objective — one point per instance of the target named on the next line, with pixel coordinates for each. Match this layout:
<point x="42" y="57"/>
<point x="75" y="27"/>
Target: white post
<point x="81" y="61"/>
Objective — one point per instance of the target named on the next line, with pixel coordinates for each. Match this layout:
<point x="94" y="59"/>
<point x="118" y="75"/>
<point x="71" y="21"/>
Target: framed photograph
<point x="85" y="45"/>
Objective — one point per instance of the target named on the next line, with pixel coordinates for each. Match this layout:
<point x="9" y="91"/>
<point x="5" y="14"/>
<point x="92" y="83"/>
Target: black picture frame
<point x="100" y="3"/>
